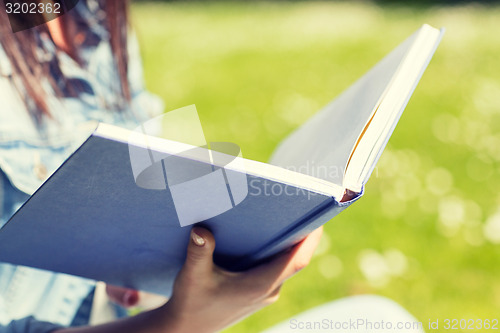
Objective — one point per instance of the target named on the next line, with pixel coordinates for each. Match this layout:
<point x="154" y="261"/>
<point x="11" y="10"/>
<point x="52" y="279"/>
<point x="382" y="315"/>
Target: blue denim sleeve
<point x="29" y="325"/>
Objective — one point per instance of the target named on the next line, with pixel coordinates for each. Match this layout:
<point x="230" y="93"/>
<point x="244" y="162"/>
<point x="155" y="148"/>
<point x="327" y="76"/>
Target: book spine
<point x="294" y="235"/>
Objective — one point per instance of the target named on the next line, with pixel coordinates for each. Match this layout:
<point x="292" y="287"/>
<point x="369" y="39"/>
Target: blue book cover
<point x="108" y="216"/>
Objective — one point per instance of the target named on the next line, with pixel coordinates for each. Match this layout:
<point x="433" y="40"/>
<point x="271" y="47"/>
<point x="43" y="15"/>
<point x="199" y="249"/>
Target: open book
<point x="109" y="216"/>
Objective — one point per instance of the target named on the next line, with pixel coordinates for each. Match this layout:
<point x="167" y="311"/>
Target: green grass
<point x="258" y="70"/>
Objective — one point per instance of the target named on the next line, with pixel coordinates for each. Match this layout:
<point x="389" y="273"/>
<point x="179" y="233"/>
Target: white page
<point x="163" y="147"/>
<point x="322" y="146"/>
<point x="372" y="143"/>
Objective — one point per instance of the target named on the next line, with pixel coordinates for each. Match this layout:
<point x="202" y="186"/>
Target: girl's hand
<point x="207" y="298"/>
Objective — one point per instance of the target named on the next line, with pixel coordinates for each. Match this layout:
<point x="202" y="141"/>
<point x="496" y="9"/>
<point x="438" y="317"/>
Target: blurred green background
<point x="426" y="232"/>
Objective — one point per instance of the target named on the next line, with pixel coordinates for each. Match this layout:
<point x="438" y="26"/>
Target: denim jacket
<point x="30" y="153"/>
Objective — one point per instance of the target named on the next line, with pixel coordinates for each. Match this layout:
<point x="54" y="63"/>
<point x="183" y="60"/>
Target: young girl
<point x="57" y="80"/>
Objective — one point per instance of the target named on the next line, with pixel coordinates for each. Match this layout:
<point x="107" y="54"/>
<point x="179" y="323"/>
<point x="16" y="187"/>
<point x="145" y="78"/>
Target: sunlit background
<point x="426" y="233"/>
